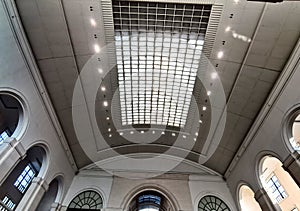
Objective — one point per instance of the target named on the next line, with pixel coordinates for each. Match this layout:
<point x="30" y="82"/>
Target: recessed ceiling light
<point x="249" y="40"/>
<point x="96" y="48"/>
<point x="131" y="132"/>
<point x="196" y="134"/>
<point x="163" y="133"/>
<point x="153" y="131"/>
<point x="220" y="54"/>
<point x="228" y="28"/>
<point x="236" y="1"/>
<point x="93" y="22"/>
<point x="184" y="136"/>
<point x="204" y="108"/>
<point x="107" y="118"/>
<point x="121" y="133"/>
<point x="105" y="103"/>
<point x="142" y="131"/>
<point x="110" y="135"/>
<point x="208" y="93"/>
<point x="100" y="70"/>
<point x="103" y="88"/>
<point x="195" y="139"/>
<point x="173" y="134"/>
<point x="109" y="129"/>
<point x="200" y="121"/>
<point x="214" y="75"/>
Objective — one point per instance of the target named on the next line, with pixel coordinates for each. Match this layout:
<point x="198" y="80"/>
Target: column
<point x="264" y="200"/>
<point x="33" y="195"/>
<point x="292" y="165"/>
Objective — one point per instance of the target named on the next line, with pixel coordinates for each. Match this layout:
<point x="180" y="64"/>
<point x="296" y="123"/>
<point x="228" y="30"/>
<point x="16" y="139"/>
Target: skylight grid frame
<point x="175" y="114"/>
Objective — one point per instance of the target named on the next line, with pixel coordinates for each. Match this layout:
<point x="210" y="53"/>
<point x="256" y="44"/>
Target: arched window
<point x="279" y="185"/>
<point x="87" y="200"/>
<point x="150" y="201"/>
<point x="212" y="203"/>
<point x="247" y="200"/>
<point x="18" y="181"/>
<point x="10" y="111"/>
<point x="295" y="139"/>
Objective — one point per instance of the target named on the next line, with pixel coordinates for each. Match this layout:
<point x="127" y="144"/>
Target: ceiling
<point x="256" y="40"/>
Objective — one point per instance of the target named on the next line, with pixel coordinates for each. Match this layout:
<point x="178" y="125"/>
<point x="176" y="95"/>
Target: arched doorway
<point x="18" y="181"/>
<point x="49" y="197"/>
<point x="247" y="200"/>
<point x="150" y="200"/>
<point x="278" y="183"/>
<point x="87" y="200"/>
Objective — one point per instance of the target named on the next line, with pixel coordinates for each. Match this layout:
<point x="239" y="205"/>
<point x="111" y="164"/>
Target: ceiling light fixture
<point x="109" y="129"/>
<point x="142" y="131"/>
<point x="105" y="103"/>
<point x="208" y="93"/>
<point x="131" y="132"/>
<point x="228" y="28"/>
<point x="96" y="48"/>
<point x="103" y="89"/>
<point x="100" y="70"/>
<point x="153" y="131"/>
<point x="107" y="118"/>
<point x="214" y="75"/>
<point x="163" y="133"/>
<point x="93" y="22"/>
<point x="220" y="54"/>
<point x="200" y="121"/>
<point x="204" y="108"/>
<point x="173" y="134"/>
<point x="196" y="134"/>
<point x="184" y="136"/>
<point x="110" y="135"/>
<point x="195" y="139"/>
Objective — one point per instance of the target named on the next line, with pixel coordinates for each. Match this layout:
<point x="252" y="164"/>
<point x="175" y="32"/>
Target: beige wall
<point x="273" y="166"/>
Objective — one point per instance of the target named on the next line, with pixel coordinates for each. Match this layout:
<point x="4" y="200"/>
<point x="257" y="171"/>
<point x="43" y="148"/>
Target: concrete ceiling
<point x="62" y="40"/>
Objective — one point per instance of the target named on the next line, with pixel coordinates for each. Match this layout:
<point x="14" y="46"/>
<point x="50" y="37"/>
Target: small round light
<point x="220" y="54"/>
<point x="208" y="93"/>
<point x="96" y="48"/>
<point x="200" y="121"/>
<point x="93" y="22"/>
<point x="121" y="133"/>
<point x="142" y="131"/>
<point x="214" y="75"/>
<point x="184" y="136"/>
<point x="196" y="134"/>
<point x="103" y="89"/>
<point x="163" y="133"/>
<point x="109" y="129"/>
<point x="100" y="70"/>
<point x="228" y="28"/>
<point x="131" y="132"/>
<point x="105" y="103"/>
<point x="153" y="131"/>
<point x="173" y="134"/>
<point x="107" y="118"/>
<point x="204" y="108"/>
<point x="110" y="135"/>
<point x="195" y="139"/>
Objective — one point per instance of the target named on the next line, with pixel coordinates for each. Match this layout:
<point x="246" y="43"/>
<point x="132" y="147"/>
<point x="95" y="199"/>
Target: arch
<point x="287" y="132"/>
<point x="19" y="180"/>
<point x="49" y="196"/>
<point x="258" y="163"/>
<point x="149" y="187"/>
<point x="88" y="200"/>
<point x="46" y="156"/>
<point x="13" y="102"/>
<point x="245" y="198"/>
<point x="212" y="203"/>
<point x="279" y="185"/>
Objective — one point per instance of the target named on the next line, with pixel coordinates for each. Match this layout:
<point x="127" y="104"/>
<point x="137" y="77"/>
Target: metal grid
<point x="87" y="200"/>
<point x="158" y="48"/>
<point x="210" y="203"/>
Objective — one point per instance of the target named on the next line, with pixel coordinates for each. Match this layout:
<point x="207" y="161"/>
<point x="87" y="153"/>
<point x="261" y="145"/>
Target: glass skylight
<point x="158" y="48"/>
